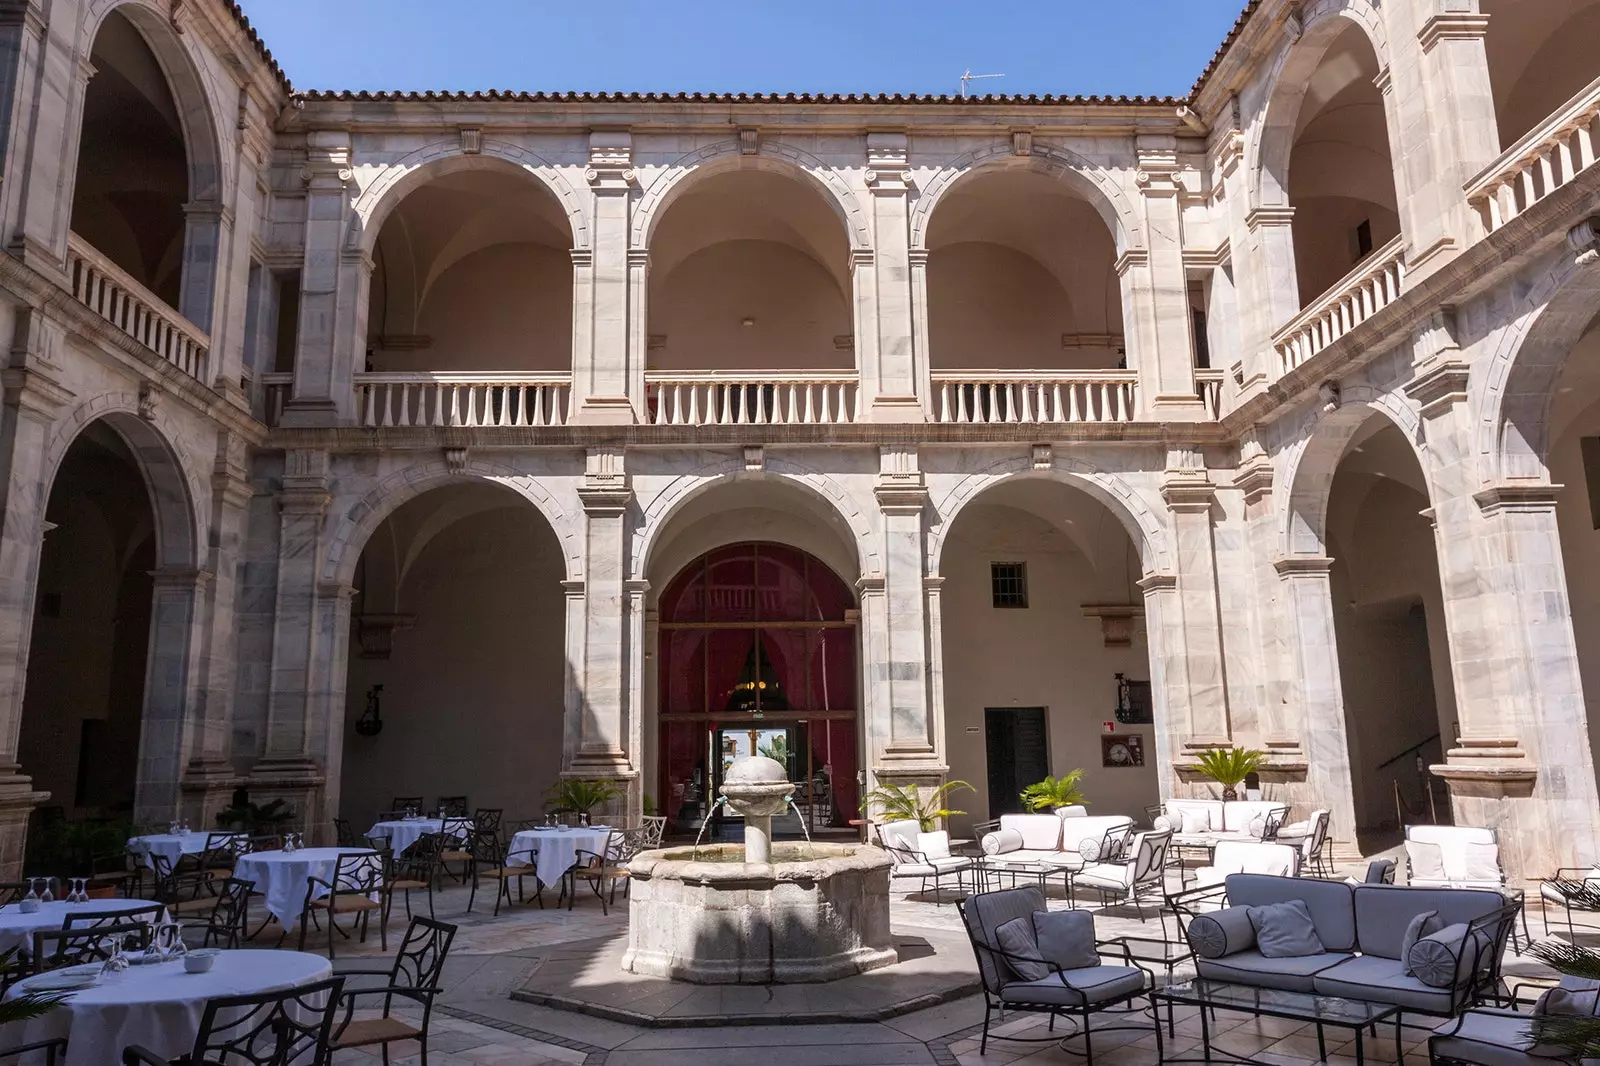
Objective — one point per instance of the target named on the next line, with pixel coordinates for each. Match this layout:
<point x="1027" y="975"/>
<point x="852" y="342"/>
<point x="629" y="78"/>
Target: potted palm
<point x="900" y="803"/>
<point x="1229" y="767"/>
<point x="1054" y="792"/>
<point x="580" y="795"/>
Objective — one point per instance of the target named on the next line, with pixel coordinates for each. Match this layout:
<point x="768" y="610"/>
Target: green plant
<point x="29" y="1005"/>
<point x="1578" y="1034"/>
<point x="776" y="749"/>
<point x="1229" y="767"/>
<point x="255" y="818"/>
<point x="580" y="795"/>
<point x="68" y="848"/>
<point x="1054" y="792"/>
<point x="649" y="805"/>
<point x="901" y="803"/>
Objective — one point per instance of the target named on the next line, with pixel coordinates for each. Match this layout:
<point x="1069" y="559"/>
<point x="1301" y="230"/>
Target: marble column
<point x="1169" y="698"/>
<point x="332" y="284"/>
<point x="205" y="225"/>
<point x="1191" y="498"/>
<point x="33" y="398"/>
<point x="233" y="285"/>
<point x="889" y="361"/>
<point x="1270" y="280"/>
<point x="1156" y="292"/>
<point x="171" y="696"/>
<point x="44" y="80"/>
<point x="604" y="370"/>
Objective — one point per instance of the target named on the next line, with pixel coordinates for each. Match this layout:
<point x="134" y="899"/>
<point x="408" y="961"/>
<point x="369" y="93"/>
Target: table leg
<point x="1155" y="1009"/>
<point x="1361" y="1053"/>
<point x="1322" y="1045"/>
<point x="1399" y="1049"/>
<point x="1205" y="1035"/>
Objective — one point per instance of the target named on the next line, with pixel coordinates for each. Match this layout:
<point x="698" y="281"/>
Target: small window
<point x="1363" y="240"/>
<point x="1010" y="584"/>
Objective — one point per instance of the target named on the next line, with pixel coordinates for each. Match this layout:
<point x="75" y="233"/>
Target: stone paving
<point x="477" y="1023"/>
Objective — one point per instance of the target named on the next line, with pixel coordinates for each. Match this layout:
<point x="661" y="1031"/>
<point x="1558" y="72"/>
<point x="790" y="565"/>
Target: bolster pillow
<point x="1221" y="933"/>
<point x="1446" y="958"/>
<point x="1001" y="841"/>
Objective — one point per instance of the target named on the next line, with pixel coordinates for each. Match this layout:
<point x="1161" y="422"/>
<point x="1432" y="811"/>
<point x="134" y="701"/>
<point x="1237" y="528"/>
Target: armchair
<point x="414" y="976"/>
<point x="1132" y="879"/>
<point x="914" y="853"/>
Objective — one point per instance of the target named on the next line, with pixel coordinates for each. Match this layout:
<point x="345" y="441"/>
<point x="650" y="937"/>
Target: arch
<point x="1520" y="375"/>
<point x="1122" y="499"/>
<point x="670" y="500"/>
<point x="186" y="81"/>
<point x="1288" y="82"/>
<point x="175" y="492"/>
<point x="352" y="527"/>
<point x="397" y="179"/>
<point x="720" y="157"/>
<point x="1090" y="181"/>
<point x="1312" y="462"/>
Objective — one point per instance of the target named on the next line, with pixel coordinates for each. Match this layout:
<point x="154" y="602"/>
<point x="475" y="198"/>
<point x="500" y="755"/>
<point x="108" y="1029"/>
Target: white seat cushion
<point x="1074" y="988"/>
<point x="1040" y="832"/>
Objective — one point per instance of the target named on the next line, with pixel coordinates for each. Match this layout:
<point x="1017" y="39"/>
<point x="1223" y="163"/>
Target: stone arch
<point x="398" y="178"/>
<point x="670" y="500"/>
<point x="1313" y="460"/>
<point x="720" y="157"/>
<point x="176" y="492"/>
<point x="1288" y="81"/>
<point x="351" y="527"/>
<point x="1520" y="375"/>
<point x="1120" y="498"/>
<point x="1087" y="179"/>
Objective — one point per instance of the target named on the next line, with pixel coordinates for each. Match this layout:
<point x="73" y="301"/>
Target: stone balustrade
<point x="108" y="291"/>
<point x="994" y="397"/>
<point x="1374" y="284"/>
<point x="472" y="400"/>
<point x="1548" y="157"/>
<point x="715" y="398"/>
<point x="1208" y="383"/>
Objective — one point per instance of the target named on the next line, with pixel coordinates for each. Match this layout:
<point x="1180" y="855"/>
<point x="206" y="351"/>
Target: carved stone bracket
<point x="1517" y="496"/>
<point x="888" y="170"/>
<point x="1118" y="621"/>
<point x="610" y="166"/>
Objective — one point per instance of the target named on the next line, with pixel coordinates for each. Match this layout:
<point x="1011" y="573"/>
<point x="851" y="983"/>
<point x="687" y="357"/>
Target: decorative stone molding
<point x="149" y="398"/>
<point x="375" y="633"/>
<point x="1133" y="257"/>
<point x="1492" y="766"/>
<point x="1440" y="387"/>
<point x="755" y="459"/>
<point x="327" y="166"/>
<point x="1328" y="396"/>
<point x="1189" y="493"/>
<point x="455" y="459"/>
<point x="1292" y="566"/>
<point x="1584" y="240"/>
<point x="1268" y="216"/>
<point x="471" y="141"/>
<point x="605" y="489"/>
<point x="1114" y="341"/>
<point x="1043" y="457"/>
<point x="749" y="141"/>
<point x="1286" y="758"/>
<point x="901" y="488"/>
<point x="1384" y="81"/>
<point x="655" y="342"/>
<point x="1158" y="172"/>
<point x="1152" y="584"/>
<point x="1116" y="621"/>
<point x="1294" y="25"/>
<point x="1531" y="497"/>
<point x="888" y="164"/>
<point x="610" y="166"/>
<point x="1021" y="142"/>
<point x="1452" y="26"/>
<point x="1254" y="478"/>
<point x="861" y="257"/>
<point x="844" y="342"/>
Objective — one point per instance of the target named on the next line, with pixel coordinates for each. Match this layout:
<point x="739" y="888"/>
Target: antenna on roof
<point x="969" y="76"/>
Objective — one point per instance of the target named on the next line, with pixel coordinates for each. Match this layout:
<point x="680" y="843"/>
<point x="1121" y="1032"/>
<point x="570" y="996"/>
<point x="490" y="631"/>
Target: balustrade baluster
<point x="827" y="405"/>
<point x="1073" y="414"/>
<point x="1055" y="400"/>
<point x="1584" y="135"/>
<point x="944" y="402"/>
<point x="792" y="416"/>
<point x="1023" y="390"/>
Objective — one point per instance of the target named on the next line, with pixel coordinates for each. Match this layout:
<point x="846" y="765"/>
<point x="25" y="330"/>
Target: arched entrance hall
<point x="756" y="654"/>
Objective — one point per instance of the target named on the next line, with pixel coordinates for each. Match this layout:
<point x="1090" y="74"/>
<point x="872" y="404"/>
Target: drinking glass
<point x="48" y="895"/>
<point x="116" y="961"/>
<point x="33" y="889"/>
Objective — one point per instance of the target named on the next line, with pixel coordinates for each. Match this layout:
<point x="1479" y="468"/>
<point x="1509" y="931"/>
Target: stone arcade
<point x="617" y="434"/>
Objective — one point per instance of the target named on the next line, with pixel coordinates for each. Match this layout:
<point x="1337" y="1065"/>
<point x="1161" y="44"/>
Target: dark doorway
<point x="1019" y="754"/>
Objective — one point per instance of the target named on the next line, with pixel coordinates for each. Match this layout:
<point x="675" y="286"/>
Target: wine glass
<point x="116" y="961"/>
<point x="48" y="895"/>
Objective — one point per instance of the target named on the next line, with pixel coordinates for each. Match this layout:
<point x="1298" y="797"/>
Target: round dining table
<point x="557" y="847"/>
<point x="280" y="876"/>
<point x="173" y="846"/>
<point x="404" y="832"/>
<point x="159" y="1006"/>
<point x="17" y="928"/>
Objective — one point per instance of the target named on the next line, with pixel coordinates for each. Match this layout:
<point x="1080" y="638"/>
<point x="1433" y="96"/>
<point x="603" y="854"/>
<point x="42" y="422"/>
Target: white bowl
<point x="200" y="961"/>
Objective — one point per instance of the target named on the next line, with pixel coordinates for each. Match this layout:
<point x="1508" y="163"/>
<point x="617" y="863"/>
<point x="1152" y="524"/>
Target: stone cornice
<point x="1269" y="216"/>
<point x="1524" y="497"/>
<point x="604" y="500"/>
<point x="1439" y="386"/>
<point x="1302" y="566"/>
<point x="1452" y="26"/>
<point x="1152" y="584"/>
<point x="1254" y="478"/>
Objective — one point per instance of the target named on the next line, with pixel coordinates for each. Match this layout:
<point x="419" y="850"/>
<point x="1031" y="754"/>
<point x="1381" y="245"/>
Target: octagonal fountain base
<point x="817" y="912"/>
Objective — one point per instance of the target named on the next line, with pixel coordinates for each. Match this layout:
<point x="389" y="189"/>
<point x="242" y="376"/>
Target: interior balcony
<point x="112" y="293"/>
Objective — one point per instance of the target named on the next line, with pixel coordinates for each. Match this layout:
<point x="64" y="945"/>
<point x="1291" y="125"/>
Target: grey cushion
<point x="1285" y="930"/>
<point x="986" y="912"/>
<point x="1066" y="938"/>
<point x="1076" y="988"/>
<point x="1331" y="903"/>
<point x="1575" y="995"/>
<point x="1446" y="959"/>
<point x="1425" y="924"/>
<point x="1256" y="970"/>
<point x="1222" y="933"/>
<point x="1022" y="951"/>
<point x="1384" y="911"/>
<point x="1491" y="1037"/>
<point x="1380" y="980"/>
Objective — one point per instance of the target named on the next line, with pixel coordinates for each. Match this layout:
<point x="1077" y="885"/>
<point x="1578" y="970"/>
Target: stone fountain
<point x="759" y="912"/>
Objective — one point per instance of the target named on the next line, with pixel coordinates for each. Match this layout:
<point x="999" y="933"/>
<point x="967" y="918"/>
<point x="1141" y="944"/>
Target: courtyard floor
<point x="477" y="1023"/>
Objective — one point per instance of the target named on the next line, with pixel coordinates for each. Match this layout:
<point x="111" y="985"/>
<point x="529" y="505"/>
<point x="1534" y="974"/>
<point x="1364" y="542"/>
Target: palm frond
<point x="1577" y="1034"/>
<point x="30" y="1005"/>
<point x="1229" y="766"/>
<point x="1570" y="959"/>
<point x="1054" y="792"/>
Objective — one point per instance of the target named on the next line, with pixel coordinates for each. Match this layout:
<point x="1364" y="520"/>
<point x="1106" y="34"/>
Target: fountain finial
<point x="757" y="788"/>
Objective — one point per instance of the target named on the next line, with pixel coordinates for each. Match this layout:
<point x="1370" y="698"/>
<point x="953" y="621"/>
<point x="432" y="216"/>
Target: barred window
<point x="1009" y="582"/>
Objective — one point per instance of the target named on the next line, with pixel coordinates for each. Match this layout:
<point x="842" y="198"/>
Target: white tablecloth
<point x="158" y="1006"/>
<point x="280" y="876"/>
<point x="558" y="849"/>
<point x="17" y="929"/>
<point x="403" y="834"/>
<point x="173" y="845"/>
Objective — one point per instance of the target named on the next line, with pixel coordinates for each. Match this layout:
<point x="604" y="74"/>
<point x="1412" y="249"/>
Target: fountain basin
<point x="709" y="917"/>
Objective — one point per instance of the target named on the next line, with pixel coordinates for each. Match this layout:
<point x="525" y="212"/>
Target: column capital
<point x="1525" y="497"/>
<point x="1254" y="477"/>
<point x="605" y="500"/>
<point x="1155" y="584"/>
<point x="182" y="578"/>
<point x="1189" y="492"/>
<point x="1453" y="26"/>
<point x="1440" y="386"/>
<point x="1260" y="217"/>
<point x="1133" y="257"/>
<point x="1291" y="566"/>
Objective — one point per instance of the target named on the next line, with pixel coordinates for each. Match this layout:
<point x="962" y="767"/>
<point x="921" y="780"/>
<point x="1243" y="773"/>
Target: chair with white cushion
<point x="1570" y="888"/>
<point x="914" y="853"/>
<point x="1133" y="879"/>
<point x="1311" y="837"/>
<point x="1453" y="856"/>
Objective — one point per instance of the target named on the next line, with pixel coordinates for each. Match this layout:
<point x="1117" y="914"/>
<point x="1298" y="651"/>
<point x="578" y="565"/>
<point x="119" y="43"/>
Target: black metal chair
<point x="225" y="925"/>
<point x="599" y="869"/>
<point x="104" y="919"/>
<point x="356" y="888"/>
<point x="415" y="868"/>
<point x="267" y="1029"/>
<point x="488" y="858"/>
<point x="400" y="803"/>
<point x="183" y="892"/>
<point x="344" y="834"/>
<point x="414" y="976"/>
<point x="488" y="819"/>
<point x="55" y="948"/>
<point x="454" y="806"/>
<point x="54" y="1050"/>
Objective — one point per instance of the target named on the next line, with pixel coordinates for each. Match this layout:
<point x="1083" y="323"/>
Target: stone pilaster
<point x="602" y="710"/>
<point x="1156" y="292"/>
<point x="42" y="110"/>
<point x="1191" y="498"/>
<point x="332" y="289"/>
<point x="888" y="358"/>
<point x="238" y="230"/>
<point x="171" y="696"/>
<point x="611" y="363"/>
<point x="1268" y="277"/>
<point x="33" y="398"/>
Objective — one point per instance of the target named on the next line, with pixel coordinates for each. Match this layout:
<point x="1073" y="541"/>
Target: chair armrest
<point x="134" y="1055"/>
<point x="1516" y="991"/>
<point x="341" y="971"/>
<point x="531" y="853"/>
<point x="59" y="1042"/>
<point x="389" y="990"/>
<point x="314" y="880"/>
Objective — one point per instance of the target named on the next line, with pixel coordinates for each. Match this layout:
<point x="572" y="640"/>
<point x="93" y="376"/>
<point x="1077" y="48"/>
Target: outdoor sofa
<point x="1065" y="838"/>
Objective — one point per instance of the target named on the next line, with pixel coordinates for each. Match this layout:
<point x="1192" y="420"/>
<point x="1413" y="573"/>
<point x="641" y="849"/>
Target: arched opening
<point x="83" y="707"/>
<point x="1021" y="276"/>
<point x="460" y="617"/>
<point x="133" y="166"/>
<point x="1574" y="462"/>
<point x="1045" y="571"/>
<point x="1340" y="173"/>
<point x="1540" y="56"/>
<point x="1389" y="627"/>
<point x="750" y="270"/>
<point x="472" y="270"/>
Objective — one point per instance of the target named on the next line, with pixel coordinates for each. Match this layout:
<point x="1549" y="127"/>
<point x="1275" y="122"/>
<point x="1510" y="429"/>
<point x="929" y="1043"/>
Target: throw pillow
<point x="1089" y="848"/>
<point x="1258" y="826"/>
<point x="934" y="845"/>
<point x="1285" y="930"/>
<point x="1574" y="996"/>
<point x="1426" y="860"/>
<point x="1001" y="841"/>
<point x="1022" y="950"/>
<point x="1222" y="933"/>
<point x="1162" y="824"/>
<point x="1425" y="924"/>
<point x="1195" y="822"/>
<point x="1066" y="938"/>
<point x="1445" y="959"/>
<point x="1481" y="862"/>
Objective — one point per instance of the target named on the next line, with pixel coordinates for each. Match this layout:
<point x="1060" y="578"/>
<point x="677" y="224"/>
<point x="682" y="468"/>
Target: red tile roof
<point x="320" y="95"/>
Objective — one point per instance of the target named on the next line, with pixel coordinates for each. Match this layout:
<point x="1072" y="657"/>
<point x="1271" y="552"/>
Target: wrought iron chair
<point x="12" y="892"/>
<point x="55" y="948"/>
<point x="414" y="976"/>
<point x="54" y="1050"/>
<point x="489" y="858"/>
<point x="657" y="826"/>
<point x="454" y="806"/>
<point x="106" y="919"/>
<point x="488" y="819"/>
<point x="225" y="925"/>
<point x="602" y="868"/>
<point x="345" y="834"/>
<point x="266" y="1029"/>
<point x="356" y="888"/>
<point x="400" y="803"/>
<point x="415" y="868"/>
<point x="267" y="842"/>
<point x="190" y="891"/>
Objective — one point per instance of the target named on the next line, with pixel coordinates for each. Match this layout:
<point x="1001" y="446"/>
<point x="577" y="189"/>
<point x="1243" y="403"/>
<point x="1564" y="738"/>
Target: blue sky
<point x="1155" y="47"/>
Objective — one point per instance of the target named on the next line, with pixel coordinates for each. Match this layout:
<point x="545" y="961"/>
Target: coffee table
<point x="1353" y="1014"/>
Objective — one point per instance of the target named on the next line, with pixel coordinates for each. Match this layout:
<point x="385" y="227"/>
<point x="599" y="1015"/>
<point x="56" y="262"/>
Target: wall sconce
<point x="370" y="724"/>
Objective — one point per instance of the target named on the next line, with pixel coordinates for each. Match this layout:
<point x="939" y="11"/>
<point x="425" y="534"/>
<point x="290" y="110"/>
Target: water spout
<point x="811" y="852"/>
<point x="720" y="801"/>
